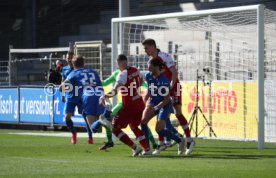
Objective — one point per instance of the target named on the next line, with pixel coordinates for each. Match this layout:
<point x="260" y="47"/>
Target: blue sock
<point x="70" y="126"/>
<point x="144" y="128"/>
<point x="169" y="134"/>
<point x="89" y="132"/>
<point x="96" y="126"/>
<point x="170" y="127"/>
<point x="107" y="113"/>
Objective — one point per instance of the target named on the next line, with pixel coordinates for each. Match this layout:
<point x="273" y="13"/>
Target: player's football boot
<point x="136" y="151"/>
<point x="159" y="148"/>
<point x="106" y="145"/>
<point x="146" y="153"/>
<point x="189" y="148"/>
<point x="90" y="141"/>
<point x="74" y="138"/>
<point x="162" y="147"/>
<point x="156" y="151"/>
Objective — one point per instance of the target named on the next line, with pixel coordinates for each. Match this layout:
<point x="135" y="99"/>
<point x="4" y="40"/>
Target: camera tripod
<point x="194" y="116"/>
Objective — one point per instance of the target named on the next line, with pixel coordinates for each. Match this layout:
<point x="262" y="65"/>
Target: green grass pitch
<point x="47" y="156"/>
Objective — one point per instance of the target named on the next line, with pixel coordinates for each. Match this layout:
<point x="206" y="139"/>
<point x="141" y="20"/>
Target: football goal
<point x="231" y="52"/>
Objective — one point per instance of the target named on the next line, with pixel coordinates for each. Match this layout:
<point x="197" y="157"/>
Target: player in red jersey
<point x="170" y="72"/>
<point x="128" y="81"/>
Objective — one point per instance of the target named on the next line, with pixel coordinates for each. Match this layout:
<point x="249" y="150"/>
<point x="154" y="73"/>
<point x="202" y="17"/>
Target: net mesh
<point x="226" y="45"/>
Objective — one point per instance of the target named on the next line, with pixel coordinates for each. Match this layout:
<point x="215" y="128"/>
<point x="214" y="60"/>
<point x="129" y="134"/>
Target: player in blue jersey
<point x="83" y="92"/>
<point x="68" y="68"/>
<point x="159" y="103"/>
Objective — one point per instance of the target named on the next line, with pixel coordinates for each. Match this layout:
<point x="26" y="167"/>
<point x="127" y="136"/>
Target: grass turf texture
<point x="47" y="156"/>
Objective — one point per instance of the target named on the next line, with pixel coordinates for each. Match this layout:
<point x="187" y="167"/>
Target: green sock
<point x="151" y="139"/>
<point x="108" y="135"/>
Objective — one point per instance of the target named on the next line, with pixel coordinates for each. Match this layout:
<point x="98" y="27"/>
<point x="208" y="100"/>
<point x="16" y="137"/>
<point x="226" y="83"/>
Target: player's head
<point x="59" y="64"/>
<point x="121" y="62"/>
<point x="149" y="47"/>
<point x="78" y="62"/>
<point x="69" y="57"/>
<point x="155" y="66"/>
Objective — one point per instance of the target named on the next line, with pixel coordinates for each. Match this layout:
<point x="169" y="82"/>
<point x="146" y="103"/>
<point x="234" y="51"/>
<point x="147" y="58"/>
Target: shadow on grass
<point x="234" y="148"/>
<point x="203" y="156"/>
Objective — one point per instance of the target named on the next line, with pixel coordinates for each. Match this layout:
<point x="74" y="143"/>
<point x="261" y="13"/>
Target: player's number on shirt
<point x="88" y="78"/>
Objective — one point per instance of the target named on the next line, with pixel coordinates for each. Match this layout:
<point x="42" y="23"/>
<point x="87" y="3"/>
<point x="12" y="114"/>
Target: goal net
<point x="238" y="48"/>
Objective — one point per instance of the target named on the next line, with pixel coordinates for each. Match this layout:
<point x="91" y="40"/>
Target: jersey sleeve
<point x="122" y="77"/>
<point x="168" y="60"/>
<point x="111" y="79"/>
<point x="70" y="78"/>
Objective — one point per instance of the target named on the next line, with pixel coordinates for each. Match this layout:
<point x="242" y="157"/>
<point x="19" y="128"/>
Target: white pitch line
<point x="38" y="159"/>
<point x="54" y="134"/>
<point x="67" y="134"/>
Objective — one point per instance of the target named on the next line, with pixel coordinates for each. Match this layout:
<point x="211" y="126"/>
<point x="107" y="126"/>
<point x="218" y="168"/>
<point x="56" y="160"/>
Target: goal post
<point x="260" y="58"/>
<point x="232" y="42"/>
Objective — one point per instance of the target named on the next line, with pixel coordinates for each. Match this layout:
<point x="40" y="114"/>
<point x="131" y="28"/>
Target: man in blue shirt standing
<point x="67" y="69"/>
<point x="83" y="89"/>
<point x="159" y="103"/>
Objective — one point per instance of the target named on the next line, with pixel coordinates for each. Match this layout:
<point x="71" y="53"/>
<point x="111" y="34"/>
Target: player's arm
<point x="114" y="90"/>
<point x="174" y="75"/>
<point x="111" y="93"/>
<point x="63" y="85"/>
<point x="111" y="79"/>
<point x="171" y="66"/>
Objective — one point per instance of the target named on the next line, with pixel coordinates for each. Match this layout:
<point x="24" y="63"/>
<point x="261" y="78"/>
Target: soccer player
<point x="73" y="99"/>
<point x="68" y="68"/>
<point x="128" y="81"/>
<point x="111" y="79"/>
<point x="160" y="103"/>
<point x="170" y="72"/>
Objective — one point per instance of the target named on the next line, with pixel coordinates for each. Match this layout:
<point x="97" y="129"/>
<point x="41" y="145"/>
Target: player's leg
<point x="177" y="105"/>
<point x="105" y="117"/>
<point x="160" y="129"/>
<point x="184" y="124"/>
<point x="91" y="110"/>
<point x="119" y="122"/>
<point x="169" y="126"/>
<point x="162" y="116"/>
<point x="146" y="117"/>
<point x="89" y="132"/>
<point x="69" y="109"/>
<point x="80" y="106"/>
<point x="96" y="126"/>
<point x="151" y="138"/>
<point x="135" y="121"/>
<point x="105" y="120"/>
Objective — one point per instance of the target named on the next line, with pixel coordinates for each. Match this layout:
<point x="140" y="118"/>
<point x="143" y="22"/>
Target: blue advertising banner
<point x="8" y="105"/>
<point x="35" y="106"/>
<point x="59" y="111"/>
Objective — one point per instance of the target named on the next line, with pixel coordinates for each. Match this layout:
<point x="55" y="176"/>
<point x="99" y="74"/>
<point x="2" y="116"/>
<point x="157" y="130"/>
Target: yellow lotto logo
<point x="231" y="107"/>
